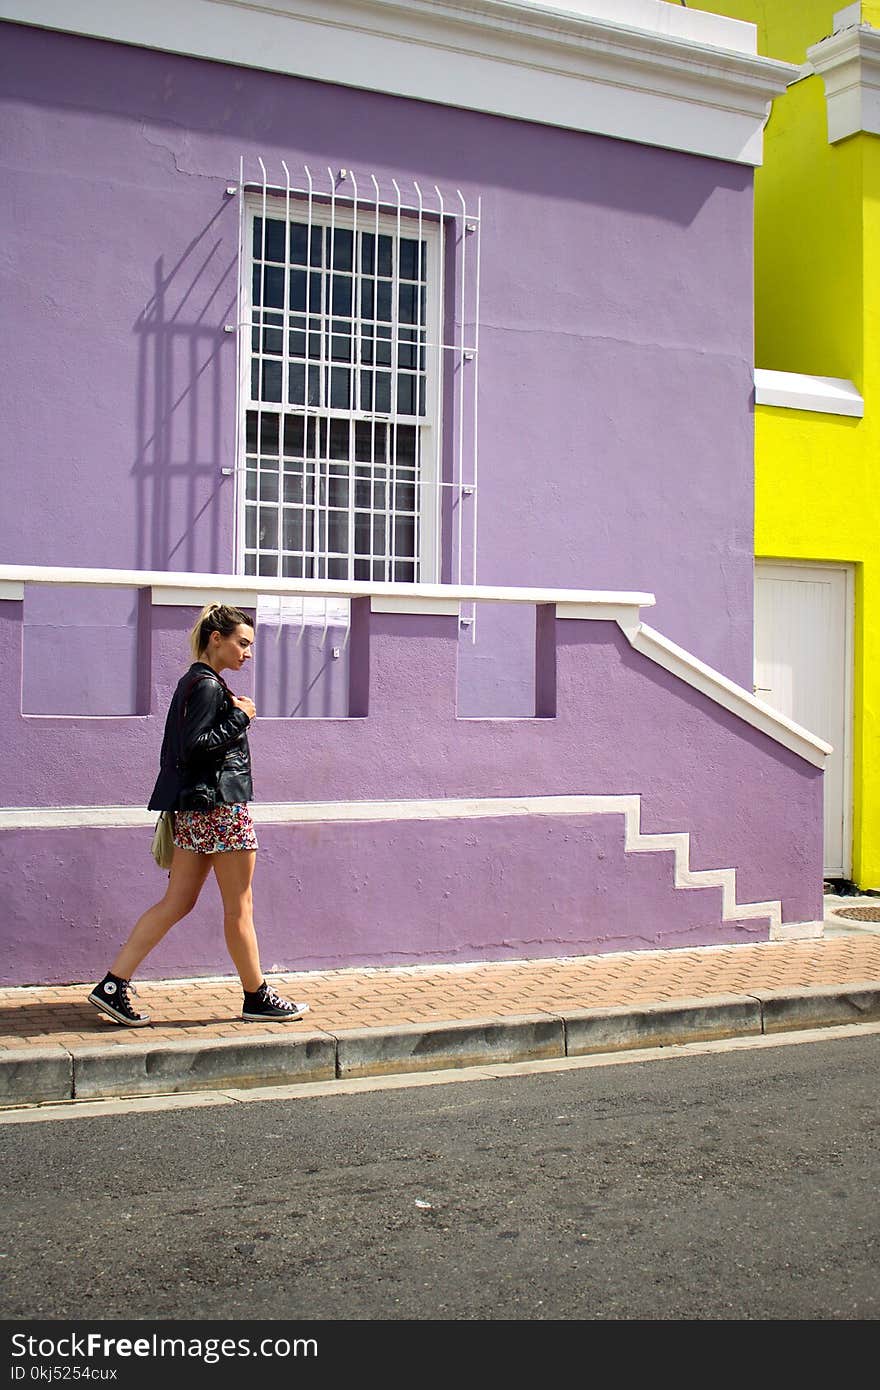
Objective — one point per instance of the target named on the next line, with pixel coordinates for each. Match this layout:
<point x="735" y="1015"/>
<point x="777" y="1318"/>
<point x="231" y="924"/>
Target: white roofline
<point x="639" y="70"/>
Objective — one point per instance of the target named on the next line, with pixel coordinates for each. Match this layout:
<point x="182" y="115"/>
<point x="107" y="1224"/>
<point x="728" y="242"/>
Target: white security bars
<point x="343" y="449"/>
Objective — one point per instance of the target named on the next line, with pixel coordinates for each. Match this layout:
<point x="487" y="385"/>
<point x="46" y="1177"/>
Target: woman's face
<point x="230" y="653"/>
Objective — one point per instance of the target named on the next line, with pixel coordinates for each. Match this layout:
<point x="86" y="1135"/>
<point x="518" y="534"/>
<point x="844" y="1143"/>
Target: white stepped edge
<point x="726" y="693"/>
<point x="317" y="812"/>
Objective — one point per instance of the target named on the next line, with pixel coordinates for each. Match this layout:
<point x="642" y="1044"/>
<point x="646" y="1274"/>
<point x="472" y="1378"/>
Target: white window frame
<point x="427" y="226"/>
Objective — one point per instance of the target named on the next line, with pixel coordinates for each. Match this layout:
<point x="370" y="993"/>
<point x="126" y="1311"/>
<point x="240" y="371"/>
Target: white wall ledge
<point x="243" y="590"/>
<point x="827" y="395"/>
<point x="599" y="604"/>
<point x="639" y="70"/>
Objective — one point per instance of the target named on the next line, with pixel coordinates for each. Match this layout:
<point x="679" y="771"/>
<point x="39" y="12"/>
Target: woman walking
<point x="205" y="780"/>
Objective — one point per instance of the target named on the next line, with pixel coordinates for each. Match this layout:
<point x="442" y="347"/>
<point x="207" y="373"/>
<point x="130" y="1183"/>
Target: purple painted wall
<point x="616" y="338"/>
<point x="615" y="448"/>
<point x="341" y="894"/>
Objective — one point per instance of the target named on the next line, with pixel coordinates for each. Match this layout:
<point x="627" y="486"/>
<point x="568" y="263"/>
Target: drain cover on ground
<point x="859" y="914"/>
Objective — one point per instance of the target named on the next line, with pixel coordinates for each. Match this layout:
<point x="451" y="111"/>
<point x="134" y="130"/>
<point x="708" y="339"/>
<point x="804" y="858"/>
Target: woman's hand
<point x="242" y="702"/>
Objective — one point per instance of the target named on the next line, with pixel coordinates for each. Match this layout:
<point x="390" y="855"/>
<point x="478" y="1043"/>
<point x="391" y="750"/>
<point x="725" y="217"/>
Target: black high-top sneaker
<point x="111" y="997"/>
<point x="266" y="1005"/>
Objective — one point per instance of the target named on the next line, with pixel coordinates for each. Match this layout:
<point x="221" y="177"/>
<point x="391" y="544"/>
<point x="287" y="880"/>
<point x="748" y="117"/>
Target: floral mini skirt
<point x="213" y="832"/>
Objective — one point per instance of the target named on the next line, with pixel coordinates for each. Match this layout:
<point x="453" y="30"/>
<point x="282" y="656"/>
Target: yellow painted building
<point x="817" y="414"/>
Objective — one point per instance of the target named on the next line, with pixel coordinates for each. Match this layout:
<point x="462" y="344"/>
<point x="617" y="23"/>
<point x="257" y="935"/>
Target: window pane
<point x="406" y="394"/>
<point x="297" y="384"/>
<point x="405" y="496"/>
<point x="411" y="261"/>
<point x="341" y="295"/>
<point x="383" y="301"/>
<point x="404" y="535"/>
<point x="405" y="445"/>
<point x="340" y="435"/>
<point x="337" y="491"/>
<point x="268" y="529"/>
<point x="273" y="287"/>
<point x="340" y="388"/>
<point x="337" y="531"/>
<point x="294" y="435"/>
<point x="268" y="486"/>
<point x="298" y="244"/>
<point x="303" y="285"/>
<point x="406" y="354"/>
<point x="268" y="433"/>
<point x="342" y="248"/>
<point x="292" y="567"/>
<point x="268" y="565"/>
<point x="293" y="529"/>
<point x="369" y="441"/>
<point x="274" y="249"/>
<point x="293" y="487"/>
<point x="271" y="383"/>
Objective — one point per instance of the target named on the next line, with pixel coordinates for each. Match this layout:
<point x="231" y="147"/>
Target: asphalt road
<point x="735" y="1186"/>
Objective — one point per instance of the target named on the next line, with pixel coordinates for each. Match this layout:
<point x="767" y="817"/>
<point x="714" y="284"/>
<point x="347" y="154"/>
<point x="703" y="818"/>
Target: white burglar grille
<point x="347" y="469"/>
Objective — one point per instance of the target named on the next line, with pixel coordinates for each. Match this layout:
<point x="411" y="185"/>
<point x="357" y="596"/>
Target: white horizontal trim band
<point x="442" y="607"/>
<point x="173" y="596"/>
<point x="328" y="812"/>
<point x="828" y="395"/>
<point x="632" y="69"/>
<point x="622" y="607"/>
<point x="193" y="587"/>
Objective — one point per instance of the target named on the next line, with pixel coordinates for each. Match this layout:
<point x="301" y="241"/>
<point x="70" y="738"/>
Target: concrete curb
<point x="34" y="1075"/>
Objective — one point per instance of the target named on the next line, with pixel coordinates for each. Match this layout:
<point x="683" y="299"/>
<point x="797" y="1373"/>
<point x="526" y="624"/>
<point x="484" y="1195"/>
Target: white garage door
<point x="803" y="668"/>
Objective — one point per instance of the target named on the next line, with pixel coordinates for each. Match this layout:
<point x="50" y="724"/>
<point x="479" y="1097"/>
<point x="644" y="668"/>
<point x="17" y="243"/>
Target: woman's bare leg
<point x="234" y="870"/>
<point x="188" y="873"/>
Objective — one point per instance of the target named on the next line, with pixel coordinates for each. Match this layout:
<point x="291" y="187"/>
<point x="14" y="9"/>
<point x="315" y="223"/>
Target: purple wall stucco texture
<point x="622" y="726"/>
<point x="615" y="452"/>
<point x="615" y="436"/>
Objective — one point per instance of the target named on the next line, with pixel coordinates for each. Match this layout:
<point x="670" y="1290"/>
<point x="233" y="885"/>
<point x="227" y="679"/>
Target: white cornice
<point x="688" y="82"/>
<point x="827" y="395"/>
<point x="849" y="64"/>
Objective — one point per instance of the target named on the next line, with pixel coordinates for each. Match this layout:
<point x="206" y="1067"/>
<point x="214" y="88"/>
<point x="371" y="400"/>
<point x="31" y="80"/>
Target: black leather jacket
<point x="205" y="739"/>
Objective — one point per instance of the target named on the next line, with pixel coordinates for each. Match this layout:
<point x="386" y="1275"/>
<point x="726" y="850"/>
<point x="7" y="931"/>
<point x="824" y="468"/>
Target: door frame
<point x="847" y="748"/>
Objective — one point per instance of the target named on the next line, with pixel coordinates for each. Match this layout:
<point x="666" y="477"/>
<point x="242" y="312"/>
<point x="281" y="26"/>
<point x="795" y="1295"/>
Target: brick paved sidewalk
<point x="209" y="1009"/>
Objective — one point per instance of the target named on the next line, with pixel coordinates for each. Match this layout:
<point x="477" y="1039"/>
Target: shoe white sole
<point x="298" y="1012"/>
<point x="117" y="1017"/>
